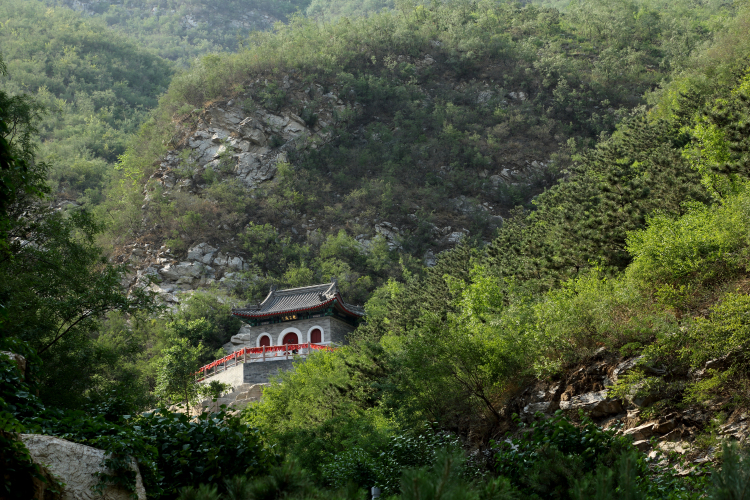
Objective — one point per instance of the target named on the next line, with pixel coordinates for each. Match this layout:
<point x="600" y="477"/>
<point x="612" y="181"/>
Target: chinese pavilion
<point x="313" y="314"/>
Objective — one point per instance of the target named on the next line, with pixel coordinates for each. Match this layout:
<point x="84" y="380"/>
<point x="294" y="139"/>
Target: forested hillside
<point x="182" y="31"/>
<point x="416" y="130"/>
<point x="543" y="211"/>
<point x="95" y="87"/>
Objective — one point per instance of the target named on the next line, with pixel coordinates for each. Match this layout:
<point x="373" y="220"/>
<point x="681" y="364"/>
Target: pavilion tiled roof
<point x="302" y="299"/>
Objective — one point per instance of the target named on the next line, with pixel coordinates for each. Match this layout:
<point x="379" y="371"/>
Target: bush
<point x="286" y="481"/>
<point x="679" y="258"/>
<point x="558" y="459"/>
<point x="593" y="309"/>
<point x="383" y="465"/>
<point x="725" y="333"/>
<point x="732" y="481"/>
<point x="204" y="449"/>
<point x="444" y="480"/>
<point x="546" y="461"/>
<point x="606" y="484"/>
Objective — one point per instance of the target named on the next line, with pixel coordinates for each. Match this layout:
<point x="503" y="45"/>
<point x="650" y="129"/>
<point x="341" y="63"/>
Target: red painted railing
<point x="255" y="354"/>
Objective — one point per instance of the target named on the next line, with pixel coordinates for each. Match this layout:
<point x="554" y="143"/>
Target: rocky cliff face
<point x="230" y="142"/>
<point x="162" y="272"/>
<point x="78" y="467"/>
<point x="235" y="140"/>
<point x="649" y="415"/>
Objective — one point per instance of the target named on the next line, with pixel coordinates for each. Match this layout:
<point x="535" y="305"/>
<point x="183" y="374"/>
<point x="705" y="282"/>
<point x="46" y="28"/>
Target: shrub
<point x="725" y="333"/>
<point x="732" y="481"/>
<point x="202" y="449"/>
<point x="678" y="258"/>
<point x="202" y="492"/>
<point x="383" y="465"/>
<point x="444" y="480"/>
<point x="286" y="481"/>
<point x="272" y="96"/>
<point x="606" y="484"/>
<point x="310" y="118"/>
<point x="594" y="309"/>
<point x="276" y="141"/>
<point x="546" y="461"/>
<point x="727" y="329"/>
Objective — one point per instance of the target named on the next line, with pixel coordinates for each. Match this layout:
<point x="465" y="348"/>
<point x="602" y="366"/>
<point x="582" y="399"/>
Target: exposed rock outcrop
<point x="168" y="276"/>
<point x="75" y="465"/>
<point x="16" y="358"/>
<point x="247" y="141"/>
<point x="587" y="388"/>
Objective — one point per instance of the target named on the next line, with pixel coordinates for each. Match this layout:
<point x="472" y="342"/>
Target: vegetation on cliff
<point x="636" y="241"/>
<point x="456" y="114"/>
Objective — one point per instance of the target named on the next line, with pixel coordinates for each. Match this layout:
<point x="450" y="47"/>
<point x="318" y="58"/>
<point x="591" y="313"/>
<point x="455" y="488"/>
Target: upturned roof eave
<point x="343" y="305"/>
<point x="250" y="314"/>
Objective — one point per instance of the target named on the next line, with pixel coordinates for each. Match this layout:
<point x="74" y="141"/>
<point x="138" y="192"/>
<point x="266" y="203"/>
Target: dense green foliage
<point x="56" y="289"/>
<point x="207" y="449"/>
<point x="182" y="30"/>
<point x="640" y="248"/>
<point x="449" y="477"/>
<point x="638" y="243"/>
<point x="557" y="459"/>
<point x="55" y="284"/>
<point x="172" y="449"/>
<point x="503" y="84"/>
<point x="96" y="86"/>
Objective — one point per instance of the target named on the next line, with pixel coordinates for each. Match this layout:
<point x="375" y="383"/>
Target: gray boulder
<point x="75" y="465"/>
<point x="182" y="270"/>
<point x="595" y="403"/>
<point x="18" y="359"/>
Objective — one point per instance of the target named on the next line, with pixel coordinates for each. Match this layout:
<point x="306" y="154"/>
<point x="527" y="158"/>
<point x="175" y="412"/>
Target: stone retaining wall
<point x="261" y="373"/>
<point x="258" y="372"/>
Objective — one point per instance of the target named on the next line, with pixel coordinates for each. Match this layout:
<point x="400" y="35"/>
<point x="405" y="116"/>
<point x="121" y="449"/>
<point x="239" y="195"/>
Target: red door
<point x="291" y="338"/>
<point x="265" y="341"/>
<point x="316" y="336"/>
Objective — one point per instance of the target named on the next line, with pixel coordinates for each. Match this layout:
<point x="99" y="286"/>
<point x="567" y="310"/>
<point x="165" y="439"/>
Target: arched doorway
<point x="265" y="341"/>
<point x="290" y="338"/>
<point x="316" y="336"/>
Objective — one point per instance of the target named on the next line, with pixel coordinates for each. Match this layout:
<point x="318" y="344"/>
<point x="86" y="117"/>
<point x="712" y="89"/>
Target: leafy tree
<point x="176" y="376"/>
<point x="20" y="176"/>
<point x="56" y="283"/>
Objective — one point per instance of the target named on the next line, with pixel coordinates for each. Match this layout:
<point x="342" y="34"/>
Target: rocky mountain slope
<point x="238" y="143"/>
<point x="412" y="141"/>
<point x="690" y="431"/>
<point x="227" y="144"/>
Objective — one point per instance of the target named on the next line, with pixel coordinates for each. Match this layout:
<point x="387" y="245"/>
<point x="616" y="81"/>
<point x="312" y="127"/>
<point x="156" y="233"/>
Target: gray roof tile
<point x="297" y="299"/>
